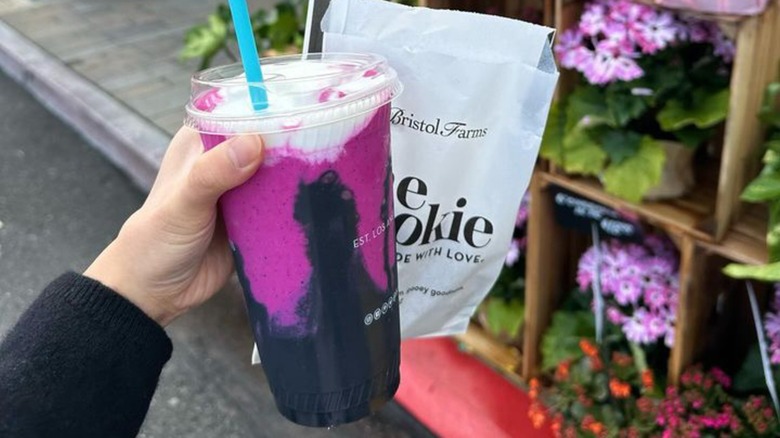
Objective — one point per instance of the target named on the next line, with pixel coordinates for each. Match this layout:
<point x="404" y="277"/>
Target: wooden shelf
<point x="505" y="359"/>
<point x="745" y="242"/>
<point x="685" y="216"/>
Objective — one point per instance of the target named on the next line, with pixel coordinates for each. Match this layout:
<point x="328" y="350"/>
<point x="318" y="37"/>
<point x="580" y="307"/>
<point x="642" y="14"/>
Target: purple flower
<point x="723" y="46"/>
<point x="522" y="212"/>
<point x="513" y="255"/>
<point x="640" y="287"/>
<point x="636" y="328"/>
<point x="586" y="269"/>
<point x="669" y="337"/>
<point x="695" y="31"/>
<point x="660" y="266"/>
<point x="772" y="324"/>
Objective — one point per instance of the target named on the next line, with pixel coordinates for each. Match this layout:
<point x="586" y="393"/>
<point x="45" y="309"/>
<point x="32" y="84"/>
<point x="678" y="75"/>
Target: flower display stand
<point x="707" y="226"/>
<point x="710" y="220"/>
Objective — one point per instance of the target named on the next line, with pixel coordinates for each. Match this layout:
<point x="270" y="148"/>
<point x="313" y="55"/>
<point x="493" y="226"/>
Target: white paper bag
<point x="465" y="137"/>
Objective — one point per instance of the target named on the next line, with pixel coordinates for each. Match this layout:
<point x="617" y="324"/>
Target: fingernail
<point x="243" y="150"/>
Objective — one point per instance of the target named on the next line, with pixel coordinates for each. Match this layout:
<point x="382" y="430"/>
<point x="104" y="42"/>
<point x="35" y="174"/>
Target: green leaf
<point x="624" y="106"/>
<point x="763" y="188"/>
<point x="750" y="377"/>
<point x="770" y="109"/>
<point x="552" y="141"/>
<point x="773" y="232"/>
<point x="581" y="154"/>
<point x="562" y="340"/>
<point x="768" y="273"/>
<point x="504" y="318"/>
<point x="632" y="178"/>
<point x="574" y="150"/>
<point x="706" y="111"/>
<point x="282" y="31"/>
<point x="692" y="136"/>
<point x="773" y="145"/>
<point x="205" y="40"/>
<point x="620" y="145"/>
<point x="590" y="104"/>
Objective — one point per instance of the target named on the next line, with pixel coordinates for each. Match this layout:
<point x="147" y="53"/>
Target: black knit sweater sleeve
<point x="81" y="362"/>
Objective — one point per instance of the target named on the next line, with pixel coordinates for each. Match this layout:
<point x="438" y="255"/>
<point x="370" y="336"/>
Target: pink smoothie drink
<point x="312" y="231"/>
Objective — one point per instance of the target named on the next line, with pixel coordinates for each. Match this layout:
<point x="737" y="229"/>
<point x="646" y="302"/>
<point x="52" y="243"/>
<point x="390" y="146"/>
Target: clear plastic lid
<point x="302" y="92"/>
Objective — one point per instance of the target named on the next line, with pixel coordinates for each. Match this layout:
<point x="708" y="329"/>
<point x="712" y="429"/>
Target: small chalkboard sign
<point x="575" y="212"/>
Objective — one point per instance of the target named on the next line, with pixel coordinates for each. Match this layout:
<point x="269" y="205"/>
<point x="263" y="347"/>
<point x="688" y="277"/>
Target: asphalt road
<point x="61" y="202"/>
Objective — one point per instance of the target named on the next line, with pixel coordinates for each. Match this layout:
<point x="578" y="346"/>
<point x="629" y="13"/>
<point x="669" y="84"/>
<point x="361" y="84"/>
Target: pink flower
<point x="629" y="12"/>
<point x="593" y="19"/>
<point x="636" y="330"/>
<point x="656" y="32"/>
<point x="571" y="52"/>
<point x="722" y="378"/>
<point x="655" y="297"/>
<point x="615" y="316"/>
<point x="611" y="63"/>
<point x="628" y="293"/>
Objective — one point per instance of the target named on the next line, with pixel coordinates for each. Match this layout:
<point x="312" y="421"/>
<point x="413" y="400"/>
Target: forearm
<point x="81" y="361"/>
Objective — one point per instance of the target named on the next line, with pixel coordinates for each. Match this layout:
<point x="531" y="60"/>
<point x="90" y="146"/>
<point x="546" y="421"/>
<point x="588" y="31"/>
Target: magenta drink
<point x="312" y="231"/>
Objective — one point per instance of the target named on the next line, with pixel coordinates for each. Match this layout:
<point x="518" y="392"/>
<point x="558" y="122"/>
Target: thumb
<point x="216" y="171"/>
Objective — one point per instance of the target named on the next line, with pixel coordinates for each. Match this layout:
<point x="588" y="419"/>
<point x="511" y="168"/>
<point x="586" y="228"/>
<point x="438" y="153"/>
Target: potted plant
<point x="653" y="86"/>
<point x="640" y="287"/>
<point x="597" y="398"/>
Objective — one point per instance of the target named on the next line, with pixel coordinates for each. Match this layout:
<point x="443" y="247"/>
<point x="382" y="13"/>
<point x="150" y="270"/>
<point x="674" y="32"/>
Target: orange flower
<point x="533" y="390"/>
<point x="647" y="379"/>
<point x="622" y="359"/>
<point x="536" y="414"/>
<point x="562" y="371"/>
<point x="557" y="425"/>
<point x="619" y="389"/>
<point x="596" y="364"/>
<point x="596" y="428"/>
<point x="588" y="348"/>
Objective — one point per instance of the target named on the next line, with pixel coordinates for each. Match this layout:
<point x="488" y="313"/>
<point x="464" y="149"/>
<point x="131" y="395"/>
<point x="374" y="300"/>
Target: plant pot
<point x="677" y="177"/>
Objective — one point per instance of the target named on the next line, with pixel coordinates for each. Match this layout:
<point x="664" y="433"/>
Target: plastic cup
<point x="312" y="232"/>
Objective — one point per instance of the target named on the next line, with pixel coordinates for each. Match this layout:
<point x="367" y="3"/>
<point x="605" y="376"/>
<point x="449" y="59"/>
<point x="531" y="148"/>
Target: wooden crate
<point x="755" y="65"/>
<point x="549" y="266"/>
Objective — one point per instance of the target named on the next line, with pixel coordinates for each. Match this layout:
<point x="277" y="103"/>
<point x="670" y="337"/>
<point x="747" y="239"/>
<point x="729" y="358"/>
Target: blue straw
<point x="248" y="50"/>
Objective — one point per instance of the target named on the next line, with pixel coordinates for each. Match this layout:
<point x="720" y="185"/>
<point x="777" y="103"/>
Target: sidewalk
<point x="110" y="69"/>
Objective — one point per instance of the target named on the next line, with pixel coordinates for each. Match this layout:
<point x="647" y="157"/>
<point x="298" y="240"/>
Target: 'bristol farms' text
<point x="435" y="127"/>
